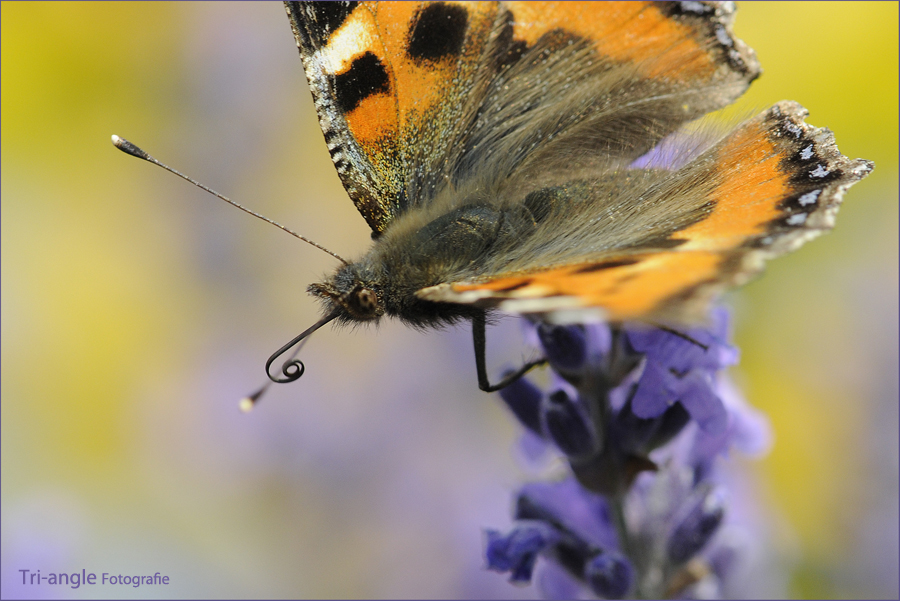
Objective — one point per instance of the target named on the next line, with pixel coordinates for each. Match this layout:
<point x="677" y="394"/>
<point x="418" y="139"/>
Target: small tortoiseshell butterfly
<point x="499" y="152"/>
<point x="513" y="156"/>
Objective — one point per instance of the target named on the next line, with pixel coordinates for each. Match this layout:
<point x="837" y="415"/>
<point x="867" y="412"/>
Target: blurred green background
<point x="137" y="310"/>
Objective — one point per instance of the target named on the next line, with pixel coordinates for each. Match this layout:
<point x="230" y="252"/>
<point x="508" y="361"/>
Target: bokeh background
<point x="136" y="310"/>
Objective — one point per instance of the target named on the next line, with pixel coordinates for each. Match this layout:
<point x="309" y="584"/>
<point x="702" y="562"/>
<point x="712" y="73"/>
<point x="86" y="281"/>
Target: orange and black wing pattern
<point x="413" y="97"/>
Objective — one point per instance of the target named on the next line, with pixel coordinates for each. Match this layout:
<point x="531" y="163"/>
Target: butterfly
<point x="502" y="154"/>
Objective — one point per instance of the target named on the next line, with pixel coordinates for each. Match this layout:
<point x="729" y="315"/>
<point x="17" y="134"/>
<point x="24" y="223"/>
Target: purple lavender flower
<point x="641" y="415"/>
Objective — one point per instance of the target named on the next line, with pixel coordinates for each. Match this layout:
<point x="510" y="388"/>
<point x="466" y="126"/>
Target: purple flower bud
<point x="638" y="435"/>
<point x="669" y="425"/>
<point x="568" y="425"/>
<point x="524" y="399"/>
<point x="566" y="346"/>
<point x="697" y="526"/>
<point x="566" y="506"/>
<point x="609" y="575"/>
<point x="517" y="551"/>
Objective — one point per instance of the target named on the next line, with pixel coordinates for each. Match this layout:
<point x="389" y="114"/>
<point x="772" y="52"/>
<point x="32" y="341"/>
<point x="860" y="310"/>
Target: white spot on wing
<point x="793" y="129"/>
<point x="693" y="7"/>
<point x="819" y="171"/>
<point x="347" y="43"/>
<point x="797" y="219"/>
<point x="723" y="37"/>
<point x="809" y="198"/>
<point x="806" y="153"/>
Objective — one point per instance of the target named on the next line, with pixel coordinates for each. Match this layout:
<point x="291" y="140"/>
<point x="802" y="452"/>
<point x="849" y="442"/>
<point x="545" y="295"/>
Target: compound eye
<point x="367" y="299"/>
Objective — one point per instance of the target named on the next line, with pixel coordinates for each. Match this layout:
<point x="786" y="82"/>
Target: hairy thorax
<point x="407" y="259"/>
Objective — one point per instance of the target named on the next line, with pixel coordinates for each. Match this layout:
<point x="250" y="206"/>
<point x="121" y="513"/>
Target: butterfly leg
<point x="683" y="336"/>
<point x="478" y="337"/>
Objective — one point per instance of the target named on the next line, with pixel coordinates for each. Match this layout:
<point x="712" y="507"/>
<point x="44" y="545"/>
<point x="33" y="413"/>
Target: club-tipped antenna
<point x="129" y="148"/>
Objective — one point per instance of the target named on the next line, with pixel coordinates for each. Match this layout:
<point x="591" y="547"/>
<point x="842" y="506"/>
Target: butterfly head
<point x="352" y="294"/>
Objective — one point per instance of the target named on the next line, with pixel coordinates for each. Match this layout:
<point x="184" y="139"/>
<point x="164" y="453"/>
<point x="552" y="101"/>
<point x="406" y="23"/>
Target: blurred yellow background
<point x="137" y="310"/>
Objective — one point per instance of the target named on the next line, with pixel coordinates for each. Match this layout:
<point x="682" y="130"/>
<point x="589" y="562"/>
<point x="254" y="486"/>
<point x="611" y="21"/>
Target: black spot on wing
<point x="513" y="287"/>
<point x="606" y="265"/>
<point x="439" y="31"/>
<point x="365" y="77"/>
<point x="321" y="19"/>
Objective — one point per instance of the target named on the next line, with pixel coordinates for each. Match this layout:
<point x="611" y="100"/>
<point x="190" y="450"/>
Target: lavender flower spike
<point x="642" y="416"/>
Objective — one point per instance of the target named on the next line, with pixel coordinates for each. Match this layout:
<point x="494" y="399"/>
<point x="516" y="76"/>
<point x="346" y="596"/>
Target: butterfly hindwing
<point x="769" y="186"/>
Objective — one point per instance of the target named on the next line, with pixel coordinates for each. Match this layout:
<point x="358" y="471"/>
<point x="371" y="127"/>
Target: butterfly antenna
<point x="129" y="148"/>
